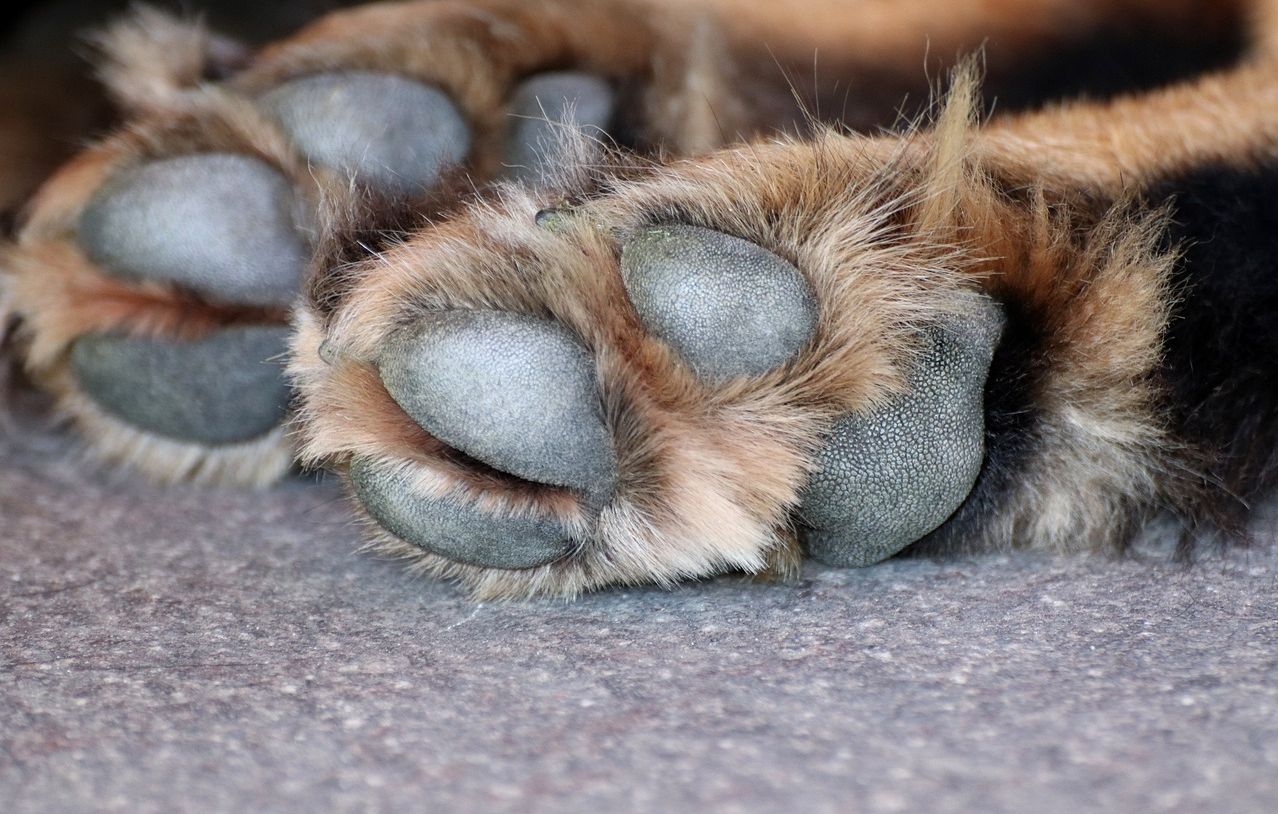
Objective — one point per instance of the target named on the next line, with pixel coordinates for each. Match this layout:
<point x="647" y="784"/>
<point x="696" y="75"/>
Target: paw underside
<point x="227" y="233"/>
<point x="519" y="395"/>
<point x="511" y="397"/>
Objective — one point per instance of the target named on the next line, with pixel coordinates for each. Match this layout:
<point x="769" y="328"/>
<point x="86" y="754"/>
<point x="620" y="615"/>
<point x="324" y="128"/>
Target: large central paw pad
<point x="886" y="479"/>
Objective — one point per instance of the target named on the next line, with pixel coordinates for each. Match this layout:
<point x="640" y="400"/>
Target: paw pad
<point x="218" y="224"/>
<point x="545" y="103"/>
<point x="452" y="528"/>
<point x="225" y="388"/>
<point x="390" y="132"/>
<point x="511" y="390"/>
<point x="886" y="479"/>
<point x="221" y="226"/>
<point x="729" y="307"/>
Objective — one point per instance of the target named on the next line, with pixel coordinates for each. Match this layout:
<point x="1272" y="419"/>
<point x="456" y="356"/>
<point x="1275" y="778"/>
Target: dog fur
<point x="1091" y="221"/>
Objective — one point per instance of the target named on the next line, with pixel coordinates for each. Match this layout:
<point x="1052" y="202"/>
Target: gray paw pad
<point x="218" y="224"/>
<point x="390" y="132"/>
<point x="226" y="388"/>
<point x="514" y="391"/>
<point x="452" y="529"/>
<point x="886" y="479"/>
<point x="544" y="104"/>
<point x="730" y="307"/>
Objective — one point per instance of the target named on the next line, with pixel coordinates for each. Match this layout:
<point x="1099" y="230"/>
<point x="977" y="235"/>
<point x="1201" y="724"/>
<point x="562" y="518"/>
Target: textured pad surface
<point x="542" y="106"/>
<point x="390" y="132"/>
<point x="515" y="391"/>
<point x="220" y="225"/>
<point x="886" y="479"/>
<point x="225" y="388"/>
<point x="730" y="307"/>
<point x="460" y="532"/>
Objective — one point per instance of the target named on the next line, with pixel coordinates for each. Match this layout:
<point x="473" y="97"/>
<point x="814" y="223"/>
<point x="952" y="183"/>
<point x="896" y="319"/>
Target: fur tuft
<point x="150" y="60"/>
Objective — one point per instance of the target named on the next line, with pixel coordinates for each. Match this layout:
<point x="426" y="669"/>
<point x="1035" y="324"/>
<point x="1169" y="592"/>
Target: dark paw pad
<point x="729" y="307"/>
<point x="388" y="131"/>
<point x="886" y="479"/>
<point x="452" y="528"/>
<point x="225" y="388"/>
<point x="220" y="225"/>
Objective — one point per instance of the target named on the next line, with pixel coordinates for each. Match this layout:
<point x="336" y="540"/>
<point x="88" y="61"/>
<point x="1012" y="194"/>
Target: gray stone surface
<point x="222" y="225"/>
<point x="183" y="650"/>
<point x="388" y="131"/>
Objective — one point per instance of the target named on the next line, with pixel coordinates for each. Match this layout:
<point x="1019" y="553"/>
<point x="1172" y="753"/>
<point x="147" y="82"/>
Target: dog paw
<point x="156" y="272"/>
<point x="157" y="307"/>
<point x="643" y="388"/>
<point x="224" y="228"/>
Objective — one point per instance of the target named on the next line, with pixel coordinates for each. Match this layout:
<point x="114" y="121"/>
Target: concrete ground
<point x="183" y="650"/>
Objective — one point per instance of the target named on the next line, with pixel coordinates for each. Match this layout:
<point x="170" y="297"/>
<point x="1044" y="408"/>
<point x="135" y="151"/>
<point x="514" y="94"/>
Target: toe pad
<point x="886" y="479"/>
<point x="452" y="529"/>
<point x="391" y="132"/>
<point x="221" y="225"/>
<point x="226" y="388"/>
<point x="512" y="390"/>
<point x="729" y="307"/>
<point x="545" y="103"/>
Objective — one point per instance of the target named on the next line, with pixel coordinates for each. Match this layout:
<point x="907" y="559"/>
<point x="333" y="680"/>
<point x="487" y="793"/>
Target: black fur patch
<point x="1134" y="55"/>
<point x="1121" y="59"/>
<point x="1219" y="372"/>
<point x="1221" y="365"/>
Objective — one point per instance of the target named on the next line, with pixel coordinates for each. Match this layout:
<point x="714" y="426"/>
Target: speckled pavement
<point x="182" y="650"/>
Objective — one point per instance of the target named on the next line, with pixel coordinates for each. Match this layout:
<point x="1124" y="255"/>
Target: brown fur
<point x="711" y="474"/>
<point x="892" y="232"/>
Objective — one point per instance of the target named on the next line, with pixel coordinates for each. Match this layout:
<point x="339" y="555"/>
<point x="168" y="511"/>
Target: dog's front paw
<point x="650" y="385"/>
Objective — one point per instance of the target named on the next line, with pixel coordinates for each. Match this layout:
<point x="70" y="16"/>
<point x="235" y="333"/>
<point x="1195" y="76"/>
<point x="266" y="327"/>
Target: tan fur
<point x="61" y="295"/>
<point x="892" y="232"/>
<point x="151" y="61"/>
